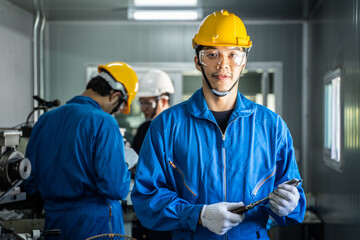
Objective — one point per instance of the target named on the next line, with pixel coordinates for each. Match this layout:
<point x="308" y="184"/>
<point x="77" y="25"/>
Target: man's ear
<point x="165" y="101"/>
<point x="196" y="61"/>
<point x="114" y="94"/>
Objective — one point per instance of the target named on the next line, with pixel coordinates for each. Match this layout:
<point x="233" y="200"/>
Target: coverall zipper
<point x="225" y="162"/>
<point x="110" y="215"/>
<point x="182" y="174"/>
<point x="224" y="158"/>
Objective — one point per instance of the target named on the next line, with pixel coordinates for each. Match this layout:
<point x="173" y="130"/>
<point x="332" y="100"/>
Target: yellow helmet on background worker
<point x="222" y="29"/>
<point x="125" y="77"/>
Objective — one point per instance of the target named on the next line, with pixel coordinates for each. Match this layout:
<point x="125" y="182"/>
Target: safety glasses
<point x="213" y="57"/>
<point x="151" y="103"/>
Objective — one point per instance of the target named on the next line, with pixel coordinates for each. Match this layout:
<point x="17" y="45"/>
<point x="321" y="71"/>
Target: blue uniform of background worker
<point x="217" y="151"/>
<point x="154" y="97"/>
<point x="77" y="157"/>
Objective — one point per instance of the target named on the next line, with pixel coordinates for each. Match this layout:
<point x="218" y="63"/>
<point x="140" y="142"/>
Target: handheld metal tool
<point x="246" y="208"/>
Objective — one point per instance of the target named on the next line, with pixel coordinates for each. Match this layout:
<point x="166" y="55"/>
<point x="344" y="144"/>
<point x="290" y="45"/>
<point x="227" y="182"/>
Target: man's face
<point x="115" y="104"/>
<point x="148" y="106"/>
<point x="222" y="65"/>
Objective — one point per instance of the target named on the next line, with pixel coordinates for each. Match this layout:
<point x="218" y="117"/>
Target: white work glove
<point x="284" y="199"/>
<point x="218" y="218"/>
<point x="131" y="157"/>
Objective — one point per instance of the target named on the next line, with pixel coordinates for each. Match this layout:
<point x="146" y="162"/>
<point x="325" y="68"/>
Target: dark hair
<point x="99" y="85"/>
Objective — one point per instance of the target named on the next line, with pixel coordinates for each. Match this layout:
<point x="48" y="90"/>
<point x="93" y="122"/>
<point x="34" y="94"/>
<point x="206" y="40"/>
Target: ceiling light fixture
<point x="149" y="15"/>
<point x="165" y="3"/>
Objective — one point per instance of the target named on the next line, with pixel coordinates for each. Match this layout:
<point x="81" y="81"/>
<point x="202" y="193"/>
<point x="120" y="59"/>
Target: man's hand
<point x="284" y="199"/>
<point x="218" y="218"/>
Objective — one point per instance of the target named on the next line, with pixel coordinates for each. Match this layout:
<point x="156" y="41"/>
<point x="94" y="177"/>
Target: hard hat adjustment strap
<point x="114" y="84"/>
<point x="247" y="50"/>
<point x="121" y="100"/>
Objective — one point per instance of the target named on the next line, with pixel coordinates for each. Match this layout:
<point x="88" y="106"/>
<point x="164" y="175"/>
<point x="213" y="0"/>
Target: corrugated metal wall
<point x="15" y="64"/>
<point x="282" y="42"/>
<point x="334" y="42"/>
<point x="74" y="44"/>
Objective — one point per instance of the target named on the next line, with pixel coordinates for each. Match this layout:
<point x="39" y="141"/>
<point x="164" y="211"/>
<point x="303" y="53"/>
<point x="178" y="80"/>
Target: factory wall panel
<point x="72" y="45"/>
<point x="15" y="64"/>
<point x="334" y="43"/>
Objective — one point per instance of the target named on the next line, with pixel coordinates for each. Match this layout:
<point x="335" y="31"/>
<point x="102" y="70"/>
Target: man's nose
<point x="223" y="63"/>
<point x="143" y="107"/>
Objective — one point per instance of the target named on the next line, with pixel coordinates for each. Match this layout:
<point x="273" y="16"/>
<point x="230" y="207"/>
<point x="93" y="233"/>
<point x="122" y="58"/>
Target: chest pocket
<point x="184" y="188"/>
<point x="264" y="185"/>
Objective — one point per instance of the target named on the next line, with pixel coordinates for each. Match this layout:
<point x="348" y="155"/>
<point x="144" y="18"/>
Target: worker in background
<point x="210" y="155"/>
<point x="154" y="96"/>
<point x="77" y="157"/>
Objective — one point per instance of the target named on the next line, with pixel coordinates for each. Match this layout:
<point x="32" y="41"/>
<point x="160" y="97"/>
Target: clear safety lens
<point x="212" y="57"/>
<point x="147" y="103"/>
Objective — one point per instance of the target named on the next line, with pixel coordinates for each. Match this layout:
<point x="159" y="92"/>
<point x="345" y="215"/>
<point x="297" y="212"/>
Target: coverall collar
<point x="198" y="107"/>
<point x="85" y="100"/>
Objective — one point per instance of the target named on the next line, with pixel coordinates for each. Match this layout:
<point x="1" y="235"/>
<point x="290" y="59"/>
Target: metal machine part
<point x="243" y="209"/>
<point x="14" y="167"/>
<point x="9" y="234"/>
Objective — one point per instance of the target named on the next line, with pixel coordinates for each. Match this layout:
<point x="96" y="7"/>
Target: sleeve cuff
<point x="190" y="219"/>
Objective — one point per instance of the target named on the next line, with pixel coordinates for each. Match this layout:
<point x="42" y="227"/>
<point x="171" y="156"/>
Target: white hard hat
<point x="155" y="83"/>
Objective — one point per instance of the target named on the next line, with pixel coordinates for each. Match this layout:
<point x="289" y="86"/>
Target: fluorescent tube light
<point x="164" y="3"/>
<point x="165" y="14"/>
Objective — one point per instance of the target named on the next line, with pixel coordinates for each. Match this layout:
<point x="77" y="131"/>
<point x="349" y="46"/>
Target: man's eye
<point x="234" y="55"/>
<point x="212" y="55"/>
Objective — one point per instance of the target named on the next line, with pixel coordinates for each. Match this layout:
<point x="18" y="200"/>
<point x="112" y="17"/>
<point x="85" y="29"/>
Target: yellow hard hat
<point x="222" y="29"/>
<point x="124" y="74"/>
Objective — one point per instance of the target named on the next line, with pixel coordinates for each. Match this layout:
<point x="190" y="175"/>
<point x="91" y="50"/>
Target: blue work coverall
<point x="78" y="167"/>
<point x="186" y="161"/>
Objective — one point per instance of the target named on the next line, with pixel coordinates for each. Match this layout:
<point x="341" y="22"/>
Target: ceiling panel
<point x="117" y="9"/>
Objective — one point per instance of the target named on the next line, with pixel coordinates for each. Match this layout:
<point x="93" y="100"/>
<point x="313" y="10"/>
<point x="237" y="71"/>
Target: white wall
<point x="15" y="64"/>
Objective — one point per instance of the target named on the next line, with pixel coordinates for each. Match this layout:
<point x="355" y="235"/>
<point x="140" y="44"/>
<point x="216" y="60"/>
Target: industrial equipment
<point x="14" y="169"/>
